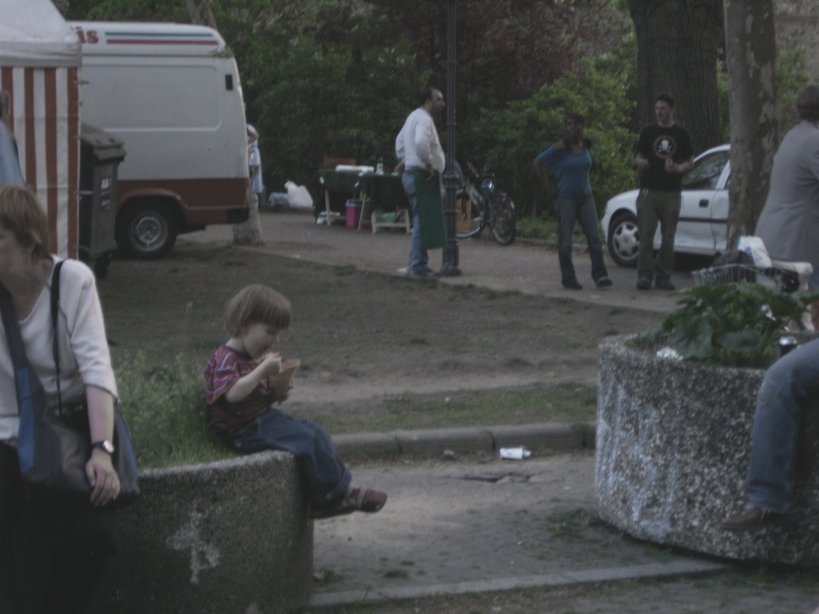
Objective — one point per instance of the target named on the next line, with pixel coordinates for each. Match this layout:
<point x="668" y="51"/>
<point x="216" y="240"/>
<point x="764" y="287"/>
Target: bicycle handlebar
<point x="474" y="172"/>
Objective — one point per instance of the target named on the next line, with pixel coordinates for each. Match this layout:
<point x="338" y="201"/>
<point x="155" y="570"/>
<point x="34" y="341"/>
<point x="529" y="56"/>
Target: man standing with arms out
<point x="421" y="160"/>
<point x="664" y="154"/>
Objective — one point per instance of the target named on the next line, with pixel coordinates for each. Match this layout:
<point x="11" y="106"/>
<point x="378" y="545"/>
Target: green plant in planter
<point x="736" y="324"/>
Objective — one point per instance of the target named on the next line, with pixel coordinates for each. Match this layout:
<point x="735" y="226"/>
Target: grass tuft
<point x="164" y="406"/>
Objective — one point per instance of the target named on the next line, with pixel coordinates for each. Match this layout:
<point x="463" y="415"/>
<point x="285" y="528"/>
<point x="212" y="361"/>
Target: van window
<point x="137" y="88"/>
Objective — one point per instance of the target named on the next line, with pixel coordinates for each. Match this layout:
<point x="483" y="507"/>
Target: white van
<point x="171" y="94"/>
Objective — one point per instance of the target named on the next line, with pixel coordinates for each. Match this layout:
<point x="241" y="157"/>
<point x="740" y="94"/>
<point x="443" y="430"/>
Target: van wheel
<point x="145" y="231"/>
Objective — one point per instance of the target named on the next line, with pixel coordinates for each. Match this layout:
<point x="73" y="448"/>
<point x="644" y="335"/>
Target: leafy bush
<point x="736" y="324"/>
<point x="538" y="227"/>
<point x="332" y="102"/>
<point x="506" y="140"/>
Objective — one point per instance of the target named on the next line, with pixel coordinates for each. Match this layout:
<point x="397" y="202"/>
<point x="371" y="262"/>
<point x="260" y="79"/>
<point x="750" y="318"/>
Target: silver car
<point x="703" y="225"/>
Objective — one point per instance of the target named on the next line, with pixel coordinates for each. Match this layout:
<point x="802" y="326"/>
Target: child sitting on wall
<point x="243" y="380"/>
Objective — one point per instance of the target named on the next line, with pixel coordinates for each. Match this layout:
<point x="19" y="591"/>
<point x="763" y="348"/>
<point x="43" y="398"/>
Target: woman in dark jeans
<point x="52" y="553"/>
<point x="570" y="160"/>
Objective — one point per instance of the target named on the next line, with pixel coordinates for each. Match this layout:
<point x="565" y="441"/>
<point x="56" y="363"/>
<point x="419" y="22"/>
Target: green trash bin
<point x="100" y="156"/>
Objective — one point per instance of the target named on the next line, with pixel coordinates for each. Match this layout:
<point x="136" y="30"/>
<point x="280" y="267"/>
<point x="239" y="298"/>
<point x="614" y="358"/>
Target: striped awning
<point x="45" y="122"/>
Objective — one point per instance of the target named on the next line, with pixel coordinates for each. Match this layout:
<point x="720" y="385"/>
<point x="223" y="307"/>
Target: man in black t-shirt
<point x="664" y="154"/>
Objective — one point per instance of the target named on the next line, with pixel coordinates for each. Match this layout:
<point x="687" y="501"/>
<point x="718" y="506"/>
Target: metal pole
<point x="449" y="265"/>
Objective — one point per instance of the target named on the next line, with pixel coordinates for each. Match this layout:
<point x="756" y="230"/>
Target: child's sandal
<point x="368" y="500"/>
<point x="358" y="500"/>
<point x="342" y="507"/>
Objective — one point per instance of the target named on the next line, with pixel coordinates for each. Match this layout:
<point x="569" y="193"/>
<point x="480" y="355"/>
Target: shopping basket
<point x="776" y="278"/>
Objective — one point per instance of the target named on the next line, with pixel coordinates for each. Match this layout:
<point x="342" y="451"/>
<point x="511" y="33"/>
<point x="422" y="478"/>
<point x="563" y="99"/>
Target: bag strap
<point x="55" y="311"/>
<point x="14" y="339"/>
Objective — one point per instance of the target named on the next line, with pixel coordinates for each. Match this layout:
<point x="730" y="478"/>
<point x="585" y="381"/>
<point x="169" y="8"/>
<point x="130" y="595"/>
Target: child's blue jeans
<point x="326" y="476"/>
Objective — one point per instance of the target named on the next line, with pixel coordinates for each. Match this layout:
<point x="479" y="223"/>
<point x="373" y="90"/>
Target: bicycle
<point x="490" y="208"/>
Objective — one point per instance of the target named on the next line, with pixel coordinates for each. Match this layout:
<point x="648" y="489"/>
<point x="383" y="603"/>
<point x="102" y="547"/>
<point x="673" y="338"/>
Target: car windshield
<point x="705" y="173"/>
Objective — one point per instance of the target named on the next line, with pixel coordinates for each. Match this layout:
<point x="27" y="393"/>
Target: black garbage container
<point x="100" y="156"/>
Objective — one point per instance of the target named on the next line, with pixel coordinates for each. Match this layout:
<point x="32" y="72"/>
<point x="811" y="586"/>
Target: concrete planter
<point x="227" y="536"/>
<point x="673" y="443"/>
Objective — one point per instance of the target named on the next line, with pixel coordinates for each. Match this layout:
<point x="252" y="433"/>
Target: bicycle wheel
<point x="503" y="218"/>
<point x="468" y="219"/>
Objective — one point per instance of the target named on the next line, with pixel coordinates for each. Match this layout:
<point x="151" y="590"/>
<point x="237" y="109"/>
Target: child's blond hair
<point x="256" y="303"/>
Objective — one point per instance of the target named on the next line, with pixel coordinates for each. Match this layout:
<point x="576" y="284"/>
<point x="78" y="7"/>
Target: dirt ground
<point x="364" y="336"/>
<point x="361" y="336"/>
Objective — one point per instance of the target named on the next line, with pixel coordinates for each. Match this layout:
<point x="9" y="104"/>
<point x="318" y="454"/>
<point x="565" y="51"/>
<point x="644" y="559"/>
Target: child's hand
<point x="271" y="364"/>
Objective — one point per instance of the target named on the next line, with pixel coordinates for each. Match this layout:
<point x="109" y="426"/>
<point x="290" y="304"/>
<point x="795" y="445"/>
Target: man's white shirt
<point x="417" y="144"/>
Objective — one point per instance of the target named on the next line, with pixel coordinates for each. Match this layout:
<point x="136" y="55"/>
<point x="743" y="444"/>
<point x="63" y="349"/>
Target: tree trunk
<point x="750" y="47"/>
<point x="250" y="231"/>
<point x="677" y="43"/>
<point x="201" y="13"/>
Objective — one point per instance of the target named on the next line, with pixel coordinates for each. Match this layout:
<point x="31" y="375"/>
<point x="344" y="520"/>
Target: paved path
<point x="475" y="523"/>
<point x="481" y="525"/>
<point x="523" y="266"/>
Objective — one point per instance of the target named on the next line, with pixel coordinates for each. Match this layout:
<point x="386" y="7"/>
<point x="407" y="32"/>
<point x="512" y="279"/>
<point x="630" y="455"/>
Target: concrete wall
<point x="673" y="444"/>
<point x="229" y="537"/>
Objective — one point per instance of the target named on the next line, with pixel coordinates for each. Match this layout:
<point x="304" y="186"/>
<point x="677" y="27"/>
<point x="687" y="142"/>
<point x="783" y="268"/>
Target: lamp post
<point x="449" y="265"/>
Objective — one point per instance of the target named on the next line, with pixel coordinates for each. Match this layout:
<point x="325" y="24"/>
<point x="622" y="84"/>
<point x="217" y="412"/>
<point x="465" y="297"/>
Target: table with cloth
<point x="335" y="188"/>
<point x="383" y="200"/>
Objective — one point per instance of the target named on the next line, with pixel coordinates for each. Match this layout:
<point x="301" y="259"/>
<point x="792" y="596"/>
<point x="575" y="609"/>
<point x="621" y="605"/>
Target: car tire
<point x="147" y="230"/>
<point x="623" y="240"/>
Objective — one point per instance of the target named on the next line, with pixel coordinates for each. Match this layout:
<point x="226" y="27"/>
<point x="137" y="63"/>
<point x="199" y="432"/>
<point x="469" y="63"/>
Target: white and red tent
<point x="39" y="66"/>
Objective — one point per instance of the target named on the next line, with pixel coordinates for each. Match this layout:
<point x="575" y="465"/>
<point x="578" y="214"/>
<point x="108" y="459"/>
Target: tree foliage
<point x="338" y="77"/>
<point x="507" y="140"/>
<point x="127" y="10"/>
<point x="507" y="49"/>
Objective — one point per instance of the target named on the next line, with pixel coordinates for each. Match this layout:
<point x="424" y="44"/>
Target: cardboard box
<point x="463" y="214"/>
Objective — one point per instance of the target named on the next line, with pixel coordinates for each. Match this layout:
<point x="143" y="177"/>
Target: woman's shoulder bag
<point x="55" y="445"/>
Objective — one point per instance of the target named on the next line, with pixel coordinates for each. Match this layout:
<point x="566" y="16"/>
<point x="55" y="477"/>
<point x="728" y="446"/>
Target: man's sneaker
<point x="572" y="284"/>
<point x="755" y="518"/>
<point x="644" y="283"/>
<point x="603" y="282"/>
<point x="419" y="274"/>
<point x="663" y="283"/>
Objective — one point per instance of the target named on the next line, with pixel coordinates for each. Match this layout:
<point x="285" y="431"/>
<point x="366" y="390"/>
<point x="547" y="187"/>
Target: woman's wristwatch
<point x="105" y="445"/>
